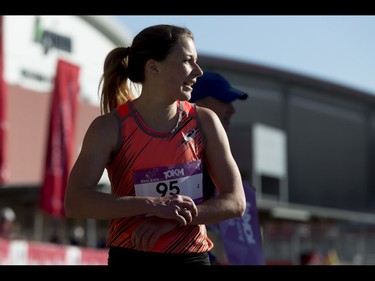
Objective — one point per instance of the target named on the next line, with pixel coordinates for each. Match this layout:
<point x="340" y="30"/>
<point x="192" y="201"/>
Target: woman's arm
<point x="231" y="201"/>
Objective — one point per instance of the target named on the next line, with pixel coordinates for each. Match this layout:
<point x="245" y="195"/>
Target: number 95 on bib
<point x="183" y="179"/>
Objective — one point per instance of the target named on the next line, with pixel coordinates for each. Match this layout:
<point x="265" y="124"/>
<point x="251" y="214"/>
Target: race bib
<point x="184" y="179"/>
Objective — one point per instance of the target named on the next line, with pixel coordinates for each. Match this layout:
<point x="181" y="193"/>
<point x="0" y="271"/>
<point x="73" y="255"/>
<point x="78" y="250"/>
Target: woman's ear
<point x="151" y="67"/>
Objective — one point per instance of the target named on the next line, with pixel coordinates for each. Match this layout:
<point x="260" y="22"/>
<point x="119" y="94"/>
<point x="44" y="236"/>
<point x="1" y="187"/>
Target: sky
<point x="338" y="49"/>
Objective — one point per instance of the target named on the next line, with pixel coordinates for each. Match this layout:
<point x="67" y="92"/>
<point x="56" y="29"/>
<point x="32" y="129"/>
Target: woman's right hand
<point x="179" y="207"/>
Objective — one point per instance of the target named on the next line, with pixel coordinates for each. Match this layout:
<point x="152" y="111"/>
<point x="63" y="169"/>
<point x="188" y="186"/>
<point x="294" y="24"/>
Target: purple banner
<point x="241" y="237"/>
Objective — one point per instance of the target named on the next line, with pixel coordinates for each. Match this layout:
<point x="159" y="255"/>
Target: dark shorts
<point x="121" y="258"/>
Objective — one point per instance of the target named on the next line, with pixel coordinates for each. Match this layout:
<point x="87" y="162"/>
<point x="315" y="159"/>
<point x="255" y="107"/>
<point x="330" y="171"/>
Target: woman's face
<point x="180" y="70"/>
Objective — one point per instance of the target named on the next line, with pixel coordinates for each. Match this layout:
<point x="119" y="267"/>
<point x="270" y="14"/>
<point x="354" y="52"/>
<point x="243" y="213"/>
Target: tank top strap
<point x="188" y="107"/>
<point x="123" y="109"/>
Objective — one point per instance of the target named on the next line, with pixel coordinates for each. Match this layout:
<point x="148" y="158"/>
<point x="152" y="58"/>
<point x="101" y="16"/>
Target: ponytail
<point x="114" y="81"/>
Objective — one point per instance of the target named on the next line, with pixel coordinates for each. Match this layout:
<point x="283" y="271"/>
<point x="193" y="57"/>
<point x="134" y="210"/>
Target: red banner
<point x="3" y="110"/>
<point x="45" y="254"/>
<point x="60" y="147"/>
<point x="23" y="252"/>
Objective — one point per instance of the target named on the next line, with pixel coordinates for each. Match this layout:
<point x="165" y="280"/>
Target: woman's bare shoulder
<point x="208" y="118"/>
<point x="104" y="130"/>
<point x="104" y="123"/>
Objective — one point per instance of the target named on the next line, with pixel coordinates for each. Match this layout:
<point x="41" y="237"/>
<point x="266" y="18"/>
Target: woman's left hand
<point x="148" y="232"/>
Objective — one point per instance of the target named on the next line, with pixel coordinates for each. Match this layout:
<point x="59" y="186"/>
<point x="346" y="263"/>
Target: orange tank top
<point x="150" y="163"/>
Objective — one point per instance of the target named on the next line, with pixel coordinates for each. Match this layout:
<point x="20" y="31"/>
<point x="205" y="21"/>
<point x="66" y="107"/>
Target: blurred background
<point x="305" y="137"/>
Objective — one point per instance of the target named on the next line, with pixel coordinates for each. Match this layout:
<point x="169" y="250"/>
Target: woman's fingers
<point x="185" y="206"/>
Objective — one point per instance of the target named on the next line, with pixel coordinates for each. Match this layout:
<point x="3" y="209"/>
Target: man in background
<point x="213" y="91"/>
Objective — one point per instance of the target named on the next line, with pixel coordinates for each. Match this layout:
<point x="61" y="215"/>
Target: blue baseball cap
<point x="215" y="85"/>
